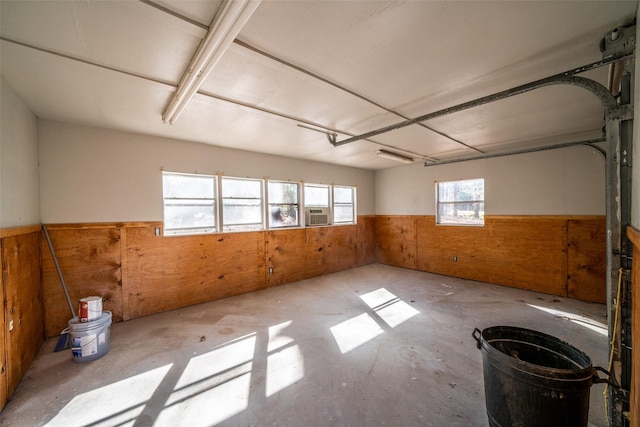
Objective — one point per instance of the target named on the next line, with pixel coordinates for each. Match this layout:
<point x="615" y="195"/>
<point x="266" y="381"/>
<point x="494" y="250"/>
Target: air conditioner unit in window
<point x="317" y="216"/>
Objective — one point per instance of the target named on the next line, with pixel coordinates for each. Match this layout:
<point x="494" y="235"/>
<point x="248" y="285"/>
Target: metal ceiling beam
<point x="588" y="143"/>
<point x="568" y="77"/>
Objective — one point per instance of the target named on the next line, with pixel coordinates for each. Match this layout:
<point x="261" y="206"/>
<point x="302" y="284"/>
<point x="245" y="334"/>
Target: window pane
<point x="189" y="214"/>
<point x="461" y="213"/>
<point x="245" y="188"/>
<point x="283" y="216"/>
<point x="343" y="213"/>
<point x="283" y="192"/>
<point x="461" y="202"/>
<point x="315" y="195"/>
<point x="187" y="186"/>
<point x="342" y="195"/>
<point x="460" y="191"/>
<point x="241" y="211"/>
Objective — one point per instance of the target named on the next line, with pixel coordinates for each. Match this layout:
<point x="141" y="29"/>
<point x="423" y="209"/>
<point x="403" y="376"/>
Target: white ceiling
<point x="343" y="66"/>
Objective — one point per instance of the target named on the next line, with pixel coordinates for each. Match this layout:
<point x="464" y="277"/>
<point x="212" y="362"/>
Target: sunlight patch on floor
<point x="586" y="322"/>
<point x="213" y="387"/>
<point x="389" y="307"/>
<point x="119" y="403"/>
<point x="354" y="332"/>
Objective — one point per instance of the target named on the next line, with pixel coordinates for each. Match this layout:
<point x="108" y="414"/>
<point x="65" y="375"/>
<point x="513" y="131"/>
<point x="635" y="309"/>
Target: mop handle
<point x="55" y="261"/>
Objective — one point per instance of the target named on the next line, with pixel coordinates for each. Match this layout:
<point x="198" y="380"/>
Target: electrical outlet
<point x="455" y="258"/>
<point x="270" y="270"/>
<point x="156" y="231"/>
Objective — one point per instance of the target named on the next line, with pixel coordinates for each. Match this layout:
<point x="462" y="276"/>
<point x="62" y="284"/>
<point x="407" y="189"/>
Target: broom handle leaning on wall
<point x="55" y="261"/>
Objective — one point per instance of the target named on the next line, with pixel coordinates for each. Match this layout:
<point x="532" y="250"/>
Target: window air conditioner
<point x="317" y="216"/>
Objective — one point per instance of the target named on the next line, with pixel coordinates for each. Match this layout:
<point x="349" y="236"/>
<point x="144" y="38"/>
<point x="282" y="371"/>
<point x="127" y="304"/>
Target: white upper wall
<point x="19" y="185"/>
<point x="99" y="175"/>
<point x="567" y="181"/>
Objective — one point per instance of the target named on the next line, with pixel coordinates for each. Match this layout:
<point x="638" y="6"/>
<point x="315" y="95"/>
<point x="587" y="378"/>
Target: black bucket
<point x="533" y="379"/>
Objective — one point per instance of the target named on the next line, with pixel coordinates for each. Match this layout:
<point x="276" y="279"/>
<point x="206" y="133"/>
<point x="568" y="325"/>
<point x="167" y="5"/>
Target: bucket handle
<point x="610" y="380"/>
<point x="477" y="335"/>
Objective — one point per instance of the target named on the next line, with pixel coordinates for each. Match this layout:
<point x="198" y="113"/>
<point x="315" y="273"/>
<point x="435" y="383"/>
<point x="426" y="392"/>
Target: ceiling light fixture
<point x="394" y="156"/>
<point x="226" y="25"/>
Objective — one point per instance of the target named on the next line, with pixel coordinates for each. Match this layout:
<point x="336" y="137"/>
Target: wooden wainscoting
<point x="559" y="255"/>
<point x="302" y="253"/>
<point x="89" y="256"/>
<point x="22" y="323"/>
<point x="164" y="273"/>
<point x="395" y="240"/>
<point x="139" y="273"/>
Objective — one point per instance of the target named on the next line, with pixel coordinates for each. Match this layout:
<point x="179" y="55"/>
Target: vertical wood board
<point x="90" y="262"/>
<point x="587" y="259"/>
<point x="24" y="305"/>
<point x="395" y="240"/>
<point x="171" y="272"/>
<point x="3" y="348"/>
<point x="303" y="253"/>
<point x="366" y="243"/>
<point x="523" y="252"/>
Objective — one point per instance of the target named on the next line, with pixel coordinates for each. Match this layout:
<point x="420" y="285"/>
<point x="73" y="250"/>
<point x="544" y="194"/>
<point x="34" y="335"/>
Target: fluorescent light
<point x="394" y="156"/>
<point x="226" y="25"/>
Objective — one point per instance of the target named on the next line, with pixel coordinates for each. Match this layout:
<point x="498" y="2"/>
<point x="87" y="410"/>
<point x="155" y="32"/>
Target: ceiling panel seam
<point x="315" y="76"/>
<point x="89" y="62"/>
<point x="200" y="92"/>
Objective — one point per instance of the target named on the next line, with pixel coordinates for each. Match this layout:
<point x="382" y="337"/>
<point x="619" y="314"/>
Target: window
<point x="316" y="195"/>
<point x="460" y="202"/>
<point x="283" y="204"/>
<point x="241" y="204"/>
<point x="343" y="204"/>
<point x="189" y="203"/>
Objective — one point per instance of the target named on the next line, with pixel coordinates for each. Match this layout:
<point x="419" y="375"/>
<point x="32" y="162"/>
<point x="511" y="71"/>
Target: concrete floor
<point x="371" y="346"/>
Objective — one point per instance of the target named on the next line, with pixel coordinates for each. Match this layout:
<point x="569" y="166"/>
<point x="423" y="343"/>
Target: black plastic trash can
<point x="534" y="379"/>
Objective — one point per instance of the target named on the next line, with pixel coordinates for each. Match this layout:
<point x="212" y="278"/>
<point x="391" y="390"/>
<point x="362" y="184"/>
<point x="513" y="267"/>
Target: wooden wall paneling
<point x="90" y="260"/>
<point x="395" y="240"/>
<point x="523" y="252"/>
<point x="165" y="273"/>
<point x="286" y="254"/>
<point x="330" y="249"/>
<point x="124" y="276"/>
<point x="3" y="348"/>
<point x="587" y="259"/>
<point x="24" y="304"/>
<point x="634" y="402"/>
<point x="366" y="243"/>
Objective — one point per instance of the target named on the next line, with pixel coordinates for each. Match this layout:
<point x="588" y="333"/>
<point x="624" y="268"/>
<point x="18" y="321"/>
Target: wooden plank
<point x="165" y="273"/>
<point x="3" y="347"/>
<point x="10" y="232"/>
<point x="24" y="304"/>
<point x="124" y="263"/>
<point x="299" y="254"/>
<point x="523" y="252"/>
<point x="286" y="253"/>
<point x="90" y="262"/>
<point x="365" y="238"/>
<point x="634" y="402"/>
<point x="395" y="240"/>
<point x="587" y="259"/>
<point x="330" y="249"/>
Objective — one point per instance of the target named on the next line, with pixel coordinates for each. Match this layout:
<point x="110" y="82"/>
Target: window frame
<point x="269" y="204"/>
<point x="188" y="231"/>
<point x="462" y="222"/>
<point x="336" y="203"/>
<point x="247" y="226"/>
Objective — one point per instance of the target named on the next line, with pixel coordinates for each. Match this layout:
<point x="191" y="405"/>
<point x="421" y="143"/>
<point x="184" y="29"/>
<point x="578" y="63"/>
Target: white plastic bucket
<point x="90" y="340"/>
